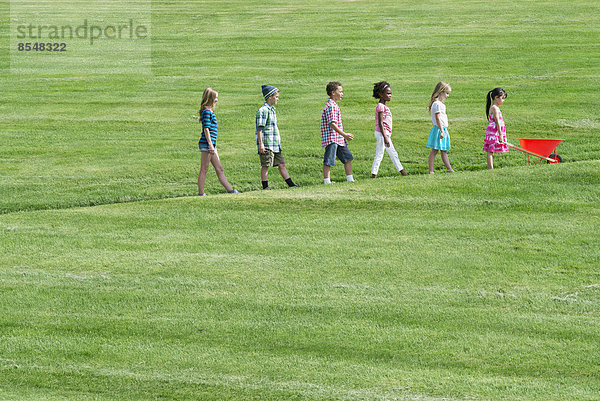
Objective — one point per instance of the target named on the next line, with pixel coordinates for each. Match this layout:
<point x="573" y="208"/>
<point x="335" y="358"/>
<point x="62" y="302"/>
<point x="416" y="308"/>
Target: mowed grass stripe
<point x="412" y="288"/>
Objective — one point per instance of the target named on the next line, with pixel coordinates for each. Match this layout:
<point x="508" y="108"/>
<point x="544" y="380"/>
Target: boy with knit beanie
<point x="268" y="141"/>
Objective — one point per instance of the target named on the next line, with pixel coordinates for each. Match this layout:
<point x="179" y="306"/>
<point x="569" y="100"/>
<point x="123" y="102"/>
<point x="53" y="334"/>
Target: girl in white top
<point x="439" y="138"/>
<point x="383" y="129"/>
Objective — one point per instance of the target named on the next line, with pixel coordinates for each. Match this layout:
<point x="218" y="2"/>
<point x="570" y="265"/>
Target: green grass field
<point x="117" y="283"/>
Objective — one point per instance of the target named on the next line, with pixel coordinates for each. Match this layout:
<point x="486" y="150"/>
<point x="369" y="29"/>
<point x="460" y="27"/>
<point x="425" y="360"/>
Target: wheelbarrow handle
<point x="529" y="152"/>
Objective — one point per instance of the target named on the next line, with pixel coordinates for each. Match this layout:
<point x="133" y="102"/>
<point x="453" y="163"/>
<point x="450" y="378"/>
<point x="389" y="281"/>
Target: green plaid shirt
<point x="266" y="117"/>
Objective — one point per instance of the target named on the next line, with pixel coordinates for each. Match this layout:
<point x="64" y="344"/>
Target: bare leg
<point x="431" y="159"/>
<point x="490" y="160"/>
<point x="348" y="167"/>
<point x="264" y="173"/>
<point x="204" y="164"/>
<point x="219" y="170"/>
<point x="326" y="170"/>
<point x="446" y="161"/>
<point x="283" y="171"/>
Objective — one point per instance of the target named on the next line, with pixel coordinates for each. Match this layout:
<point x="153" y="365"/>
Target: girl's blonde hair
<point x="439" y="88"/>
<point x="208" y="99"/>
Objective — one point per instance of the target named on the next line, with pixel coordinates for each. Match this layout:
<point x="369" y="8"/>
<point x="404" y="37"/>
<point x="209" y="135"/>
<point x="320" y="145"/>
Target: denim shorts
<point x="204" y="147"/>
<point x="342" y="152"/>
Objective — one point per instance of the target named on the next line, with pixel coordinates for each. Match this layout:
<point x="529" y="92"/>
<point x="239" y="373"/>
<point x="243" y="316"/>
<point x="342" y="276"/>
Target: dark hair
<point x="378" y="88"/>
<point x="332" y="86"/>
<point x="494" y="93"/>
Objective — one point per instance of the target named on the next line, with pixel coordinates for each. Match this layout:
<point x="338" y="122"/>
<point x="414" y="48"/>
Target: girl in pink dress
<point x="495" y="135"/>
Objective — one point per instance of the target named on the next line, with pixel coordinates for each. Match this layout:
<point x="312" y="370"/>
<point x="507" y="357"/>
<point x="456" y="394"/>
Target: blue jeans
<point x="342" y="152"/>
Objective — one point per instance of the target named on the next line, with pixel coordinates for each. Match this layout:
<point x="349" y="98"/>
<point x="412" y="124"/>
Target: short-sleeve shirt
<point x="386" y="120"/>
<point x="439" y="107"/>
<point x="267" y="119"/>
<point x="331" y="114"/>
<point x="209" y="120"/>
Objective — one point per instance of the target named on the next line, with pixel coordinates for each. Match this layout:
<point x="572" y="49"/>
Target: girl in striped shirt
<point x="208" y="142"/>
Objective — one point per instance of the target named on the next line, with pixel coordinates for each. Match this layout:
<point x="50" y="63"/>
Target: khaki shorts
<point x="270" y="158"/>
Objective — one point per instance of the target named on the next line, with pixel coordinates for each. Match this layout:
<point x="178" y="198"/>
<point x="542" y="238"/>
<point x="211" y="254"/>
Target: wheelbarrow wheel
<point x="556" y="157"/>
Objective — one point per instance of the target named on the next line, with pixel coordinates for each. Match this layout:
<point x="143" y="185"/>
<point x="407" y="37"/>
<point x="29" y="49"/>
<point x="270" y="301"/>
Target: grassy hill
<point x="86" y="139"/>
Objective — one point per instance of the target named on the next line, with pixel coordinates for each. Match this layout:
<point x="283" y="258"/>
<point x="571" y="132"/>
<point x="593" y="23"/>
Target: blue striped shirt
<point x="209" y="120"/>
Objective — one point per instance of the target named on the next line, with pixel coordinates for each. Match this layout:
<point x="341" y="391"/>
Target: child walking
<point x="383" y="129"/>
<point x="268" y="140"/>
<point x="495" y="134"/>
<point x="333" y="138"/>
<point x="208" y="147"/>
<point x="439" y="139"/>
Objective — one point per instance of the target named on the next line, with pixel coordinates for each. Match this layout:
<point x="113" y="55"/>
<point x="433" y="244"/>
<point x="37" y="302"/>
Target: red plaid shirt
<point x="331" y="114"/>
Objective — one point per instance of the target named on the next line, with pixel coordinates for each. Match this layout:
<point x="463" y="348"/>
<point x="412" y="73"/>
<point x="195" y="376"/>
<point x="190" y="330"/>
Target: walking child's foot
<point x="430" y="172"/>
<point x="373" y="175"/>
<point x="202" y="194"/>
<point x="266" y="189"/>
<point x="233" y="191"/>
<point x="404" y="173"/>
<point x="450" y="171"/>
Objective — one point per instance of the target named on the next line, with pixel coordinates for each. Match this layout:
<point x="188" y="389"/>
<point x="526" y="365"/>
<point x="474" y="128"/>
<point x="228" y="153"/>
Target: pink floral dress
<point x="492" y="136"/>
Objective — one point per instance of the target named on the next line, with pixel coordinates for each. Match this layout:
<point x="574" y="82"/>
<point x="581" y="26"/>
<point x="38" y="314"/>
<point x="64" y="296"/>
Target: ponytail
<point x="491" y="95"/>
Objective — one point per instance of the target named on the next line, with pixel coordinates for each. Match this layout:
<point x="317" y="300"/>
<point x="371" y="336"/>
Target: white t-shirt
<point x="439" y="107"/>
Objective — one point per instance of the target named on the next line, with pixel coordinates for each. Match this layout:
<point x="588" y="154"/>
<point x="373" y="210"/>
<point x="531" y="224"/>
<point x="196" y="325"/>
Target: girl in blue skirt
<point x="439" y="139"/>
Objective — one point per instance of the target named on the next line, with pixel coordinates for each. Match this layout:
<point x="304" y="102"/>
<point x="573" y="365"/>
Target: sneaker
<point x="203" y="194"/>
<point x="266" y="189"/>
<point x="330" y="182"/>
<point x="294" y="186"/>
<point x="233" y="191"/>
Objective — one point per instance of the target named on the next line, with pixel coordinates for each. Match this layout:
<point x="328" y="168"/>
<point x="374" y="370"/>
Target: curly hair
<point x="378" y="88"/>
<point x="332" y="86"/>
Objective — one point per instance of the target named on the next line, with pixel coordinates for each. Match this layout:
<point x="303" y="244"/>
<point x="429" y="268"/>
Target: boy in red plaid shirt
<point x="333" y="137"/>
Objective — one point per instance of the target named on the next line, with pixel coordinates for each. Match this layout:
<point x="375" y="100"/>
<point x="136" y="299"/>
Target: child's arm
<point x="262" y="117"/>
<point x="261" y="146"/>
<point x="438" y="121"/>
<point x="211" y="148"/>
<point x="386" y="138"/>
<point x="346" y="135"/>
<point x="496" y="114"/>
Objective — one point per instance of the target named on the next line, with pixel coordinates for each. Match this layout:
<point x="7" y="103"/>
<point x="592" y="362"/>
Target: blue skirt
<point x="434" y="141"/>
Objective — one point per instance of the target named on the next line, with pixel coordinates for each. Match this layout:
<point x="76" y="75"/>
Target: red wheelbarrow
<point x="544" y="149"/>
